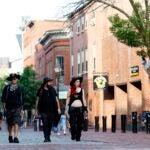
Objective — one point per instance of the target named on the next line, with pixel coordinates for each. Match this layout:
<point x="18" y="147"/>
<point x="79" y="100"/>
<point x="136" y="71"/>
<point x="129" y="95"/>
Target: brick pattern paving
<point x="91" y="140"/>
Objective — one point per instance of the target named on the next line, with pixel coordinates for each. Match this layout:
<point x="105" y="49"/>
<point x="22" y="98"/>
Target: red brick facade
<point x="46" y="56"/>
<point x="32" y="35"/>
<point x="94" y="47"/>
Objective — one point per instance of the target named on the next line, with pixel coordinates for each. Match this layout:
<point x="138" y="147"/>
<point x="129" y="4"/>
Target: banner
<point x="100" y="81"/>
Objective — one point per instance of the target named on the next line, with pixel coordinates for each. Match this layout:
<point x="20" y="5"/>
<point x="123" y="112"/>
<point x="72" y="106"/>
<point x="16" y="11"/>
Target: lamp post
<point x="57" y="70"/>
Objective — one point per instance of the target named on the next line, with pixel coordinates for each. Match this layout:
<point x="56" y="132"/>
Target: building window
<point x="109" y="93"/>
<point x="82" y="67"/>
<point x="72" y="70"/>
<point x="40" y="66"/>
<point x="82" y="60"/>
<point x="78" y="25"/>
<point x="78" y="69"/>
<point x="60" y="63"/>
<point x="92" y="18"/>
<point x="82" y="23"/>
<point x="94" y="63"/>
<point x="94" y="57"/>
<point x="85" y="21"/>
<point x="86" y="66"/>
<point x="71" y="31"/>
<point x="49" y="72"/>
<point x="72" y="64"/>
<point x="86" y="60"/>
<point x="79" y="61"/>
<point x="93" y="15"/>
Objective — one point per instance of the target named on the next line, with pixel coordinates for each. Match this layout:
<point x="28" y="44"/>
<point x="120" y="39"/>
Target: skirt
<point x="13" y="117"/>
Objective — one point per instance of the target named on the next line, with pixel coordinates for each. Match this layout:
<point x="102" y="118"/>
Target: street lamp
<point x="57" y="70"/>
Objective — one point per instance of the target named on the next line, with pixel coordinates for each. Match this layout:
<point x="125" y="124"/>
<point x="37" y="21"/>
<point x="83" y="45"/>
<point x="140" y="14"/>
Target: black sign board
<point x="134" y="71"/>
<point x="100" y="81"/>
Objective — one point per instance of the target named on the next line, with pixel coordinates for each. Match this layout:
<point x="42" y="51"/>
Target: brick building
<point x="95" y="51"/>
<point x="33" y="31"/>
<point x="53" y="51"/>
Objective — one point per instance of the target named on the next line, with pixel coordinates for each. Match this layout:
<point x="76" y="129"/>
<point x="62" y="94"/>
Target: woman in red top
<point x="75" y="107"/>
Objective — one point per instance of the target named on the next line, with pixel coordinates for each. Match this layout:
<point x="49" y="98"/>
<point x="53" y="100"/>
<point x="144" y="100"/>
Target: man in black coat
<point x="47" y="106"/>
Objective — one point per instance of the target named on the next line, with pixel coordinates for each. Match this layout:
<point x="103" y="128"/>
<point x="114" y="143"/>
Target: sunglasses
<point x="14" y="78"/>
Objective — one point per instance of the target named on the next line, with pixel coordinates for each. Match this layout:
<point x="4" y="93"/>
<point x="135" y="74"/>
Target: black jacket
<point x="13" y="99"/>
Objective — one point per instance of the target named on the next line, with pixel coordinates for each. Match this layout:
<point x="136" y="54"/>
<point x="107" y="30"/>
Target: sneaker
<point x="16" y="140"/>
<point x="65" y="133"/>
<point x="10" y="139"/>
<point x="58" y="133"/>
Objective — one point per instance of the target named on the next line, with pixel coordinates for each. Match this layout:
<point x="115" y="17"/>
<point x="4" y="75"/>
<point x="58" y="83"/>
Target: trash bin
<point x="113" y="123"/>
<point x="104" y="118"/>
<point x="123" y="123"/>
<point x="85" y="126"/>
<point x="35" y="124"/>
<point x="148" y="122"/>
<point x="85" y="123"/>
<point x="40" y="124"/>
<point x="96" y="123"/>
<point x="134" y="122"/>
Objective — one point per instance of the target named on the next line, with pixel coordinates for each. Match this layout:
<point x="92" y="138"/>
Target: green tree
<point x="2" y="83"/>
<point x="30" y="85"/>
<point x="133" y="29"/>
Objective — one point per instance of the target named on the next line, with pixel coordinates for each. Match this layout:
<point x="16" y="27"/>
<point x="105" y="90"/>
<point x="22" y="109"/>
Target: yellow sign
<point x="100" y="81"/>
<point x="134" y="71"/>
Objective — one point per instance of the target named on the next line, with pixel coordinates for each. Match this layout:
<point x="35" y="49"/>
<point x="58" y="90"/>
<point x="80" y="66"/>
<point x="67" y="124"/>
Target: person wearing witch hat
<point x="13" y="101"/>
<point x="76" y="107"/>
<point x="47" y="106"/>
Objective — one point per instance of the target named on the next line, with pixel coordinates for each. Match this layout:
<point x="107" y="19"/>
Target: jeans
<point x="47" y="120"/>
<point x="76" y="121"/>
<point x="62" y="123"/>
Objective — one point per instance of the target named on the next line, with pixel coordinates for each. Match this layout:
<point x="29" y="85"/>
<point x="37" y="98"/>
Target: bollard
<point x="96" y="123"/>
<point x="148" y="122"/>
<point x="104" y="123"/>
<point x="113" y="123"/>
<point x="123" y="123"/>
<point x="85" y="124"/>
<point x="35" y="124"/>
<point x="134" y="122"/>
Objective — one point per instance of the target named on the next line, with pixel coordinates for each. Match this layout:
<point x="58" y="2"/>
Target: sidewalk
<point x="90" y="140"/>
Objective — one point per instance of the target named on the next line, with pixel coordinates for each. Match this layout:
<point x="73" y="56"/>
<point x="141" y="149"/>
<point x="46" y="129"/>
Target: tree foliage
<point x="2" y="84"/>
<point x="30" y="85"/>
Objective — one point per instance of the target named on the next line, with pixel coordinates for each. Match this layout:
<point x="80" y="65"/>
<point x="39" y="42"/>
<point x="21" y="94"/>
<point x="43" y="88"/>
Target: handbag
<point x="85" y="121"/>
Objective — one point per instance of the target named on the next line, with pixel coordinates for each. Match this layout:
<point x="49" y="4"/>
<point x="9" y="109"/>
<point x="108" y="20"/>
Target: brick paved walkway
<point x="30" y="140"/>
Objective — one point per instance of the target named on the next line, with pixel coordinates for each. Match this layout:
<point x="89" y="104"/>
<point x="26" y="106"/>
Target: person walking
<point x="75" y="107"/>
<point x="13" y="101"/>
<point x="47" y="106"/>
<point x="62" y="125"/>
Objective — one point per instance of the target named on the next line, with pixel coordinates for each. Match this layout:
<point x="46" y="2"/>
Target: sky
<point x="11" y="12"/>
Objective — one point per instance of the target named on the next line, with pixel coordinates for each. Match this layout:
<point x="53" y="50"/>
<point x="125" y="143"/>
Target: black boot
<point x="10" y="139"/>
<point x="47" y="140"/>
<point x="78" y="139"/>
<point x="16" y="140"/>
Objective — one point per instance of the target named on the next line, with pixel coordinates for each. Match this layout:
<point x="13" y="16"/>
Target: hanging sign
<point x="100" y="81"/>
